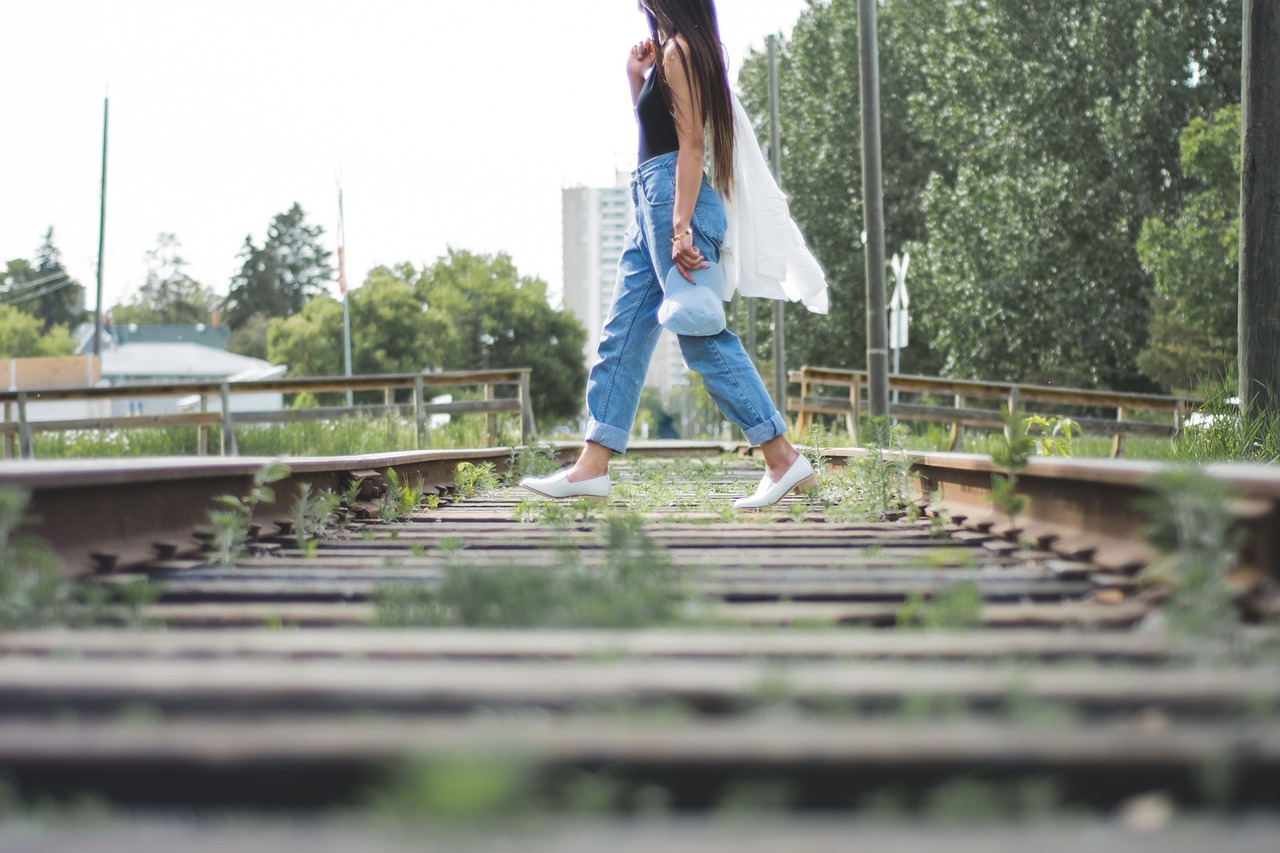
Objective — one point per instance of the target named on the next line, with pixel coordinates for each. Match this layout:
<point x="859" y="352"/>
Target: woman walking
<point x="680" y="90"/>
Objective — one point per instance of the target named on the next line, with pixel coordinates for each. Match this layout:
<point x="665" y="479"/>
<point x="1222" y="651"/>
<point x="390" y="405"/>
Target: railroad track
<point x="789" y="677"/>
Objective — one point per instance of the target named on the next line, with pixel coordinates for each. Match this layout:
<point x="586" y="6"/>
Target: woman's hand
<point x="687" y="257"/>
<point x="641" y="59"/>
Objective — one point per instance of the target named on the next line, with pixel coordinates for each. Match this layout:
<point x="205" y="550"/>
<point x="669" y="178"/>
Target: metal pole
<point x="873" y="212"/>
<point x="346" y="299"/>
<point x="775" y="157"/>
<point x="102" y="234"/>
<point x="1259" y="306"/>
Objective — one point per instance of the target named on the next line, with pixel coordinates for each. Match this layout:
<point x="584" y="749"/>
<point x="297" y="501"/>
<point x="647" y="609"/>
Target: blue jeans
<point x="631" y="331"/>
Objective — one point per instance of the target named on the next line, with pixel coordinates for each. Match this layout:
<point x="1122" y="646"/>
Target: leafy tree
<point x="1024" y="145"/>
<point x="22" y="336"/>
<point x="277" y="278"/>
<point x="250" y="337"/>
<point x="1062" y="121"/>
<point x="309" y="342"/>
<point x="822" y="170"/>
<point x="168" y="295"/>
<point x="391" y="330"/>
<point x="1194" y="259"/>
<point x="44" y="289"/>
<point x="502" y="319"/>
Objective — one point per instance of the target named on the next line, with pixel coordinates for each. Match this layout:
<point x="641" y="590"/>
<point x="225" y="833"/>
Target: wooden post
<point x="202" y="431"/>
<point x="1178" y="413"/>
<point x="527" y="426"/>
<point x="420" y="412"/>
<point x="228" y="444"/>
<point x="25" y="447"/>
<point x="804" y="416"/>
<point x="1117" y="443"/>
<point x="1259" y="307"/>
<point x="956" y="444"/>
<point x="10" y="440"/>
<point x="490" y="418"/>
<point x="855" y="399"/>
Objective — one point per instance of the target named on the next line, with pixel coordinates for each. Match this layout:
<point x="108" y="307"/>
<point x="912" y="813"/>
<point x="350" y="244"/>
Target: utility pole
<point x="102" y="234"/>
<point x="873" y="212"/>
<point x="775" y="158"/>
<point x="1259" y="320"/>
<point x="346" y="298"/>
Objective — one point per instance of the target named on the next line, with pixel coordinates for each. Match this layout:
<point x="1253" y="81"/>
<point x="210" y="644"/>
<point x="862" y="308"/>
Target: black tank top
<point x="653" y="114"/>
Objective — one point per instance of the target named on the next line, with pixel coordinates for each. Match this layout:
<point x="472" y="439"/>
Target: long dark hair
<point x="695" y="21"/>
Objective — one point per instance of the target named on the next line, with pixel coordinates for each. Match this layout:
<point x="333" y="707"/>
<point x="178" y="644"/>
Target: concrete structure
<point x="595" y="222"/>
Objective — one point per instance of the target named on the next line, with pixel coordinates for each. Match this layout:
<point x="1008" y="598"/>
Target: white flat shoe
<point x="558" y="486"/>
<point x="798" y="477"/>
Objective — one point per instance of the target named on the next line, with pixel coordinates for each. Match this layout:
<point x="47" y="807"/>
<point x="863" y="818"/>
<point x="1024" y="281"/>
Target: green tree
<point x="44" y="289"/>
<point x="23" y="336"/>
<point x="309" y="342"/>
<point x="391" y="330"/>
<point x="822" y="170"/>
<point x="250" y="337"/>
<point x="1194" y="260"/>
<point x="502" y="319"/>
<point x="277" y="278"/>
<point x="1024" y="145"/>
<point x="168" y="295"/>
<point x="1059" y="121"/>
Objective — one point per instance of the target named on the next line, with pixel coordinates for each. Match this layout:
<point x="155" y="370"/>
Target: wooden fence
<point x="18" y="429"/>
<point x="817" y="396"/>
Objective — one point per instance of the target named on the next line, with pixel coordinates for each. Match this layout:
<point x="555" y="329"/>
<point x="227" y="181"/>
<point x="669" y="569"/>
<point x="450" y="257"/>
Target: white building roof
<point x="176" y="361"/>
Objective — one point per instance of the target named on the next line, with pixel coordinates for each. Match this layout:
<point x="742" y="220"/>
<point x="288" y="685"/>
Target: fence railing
<point x="816" y="397"/>
<point x="17" y="428"/>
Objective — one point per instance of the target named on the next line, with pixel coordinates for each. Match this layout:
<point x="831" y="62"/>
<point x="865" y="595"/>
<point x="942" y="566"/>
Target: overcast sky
<point x="451" y="123"/>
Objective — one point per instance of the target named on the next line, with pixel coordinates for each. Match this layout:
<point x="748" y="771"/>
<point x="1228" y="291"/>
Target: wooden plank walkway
<point x="269" y="689"/>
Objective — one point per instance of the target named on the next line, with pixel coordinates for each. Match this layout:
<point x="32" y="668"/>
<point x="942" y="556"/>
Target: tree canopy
<point x="168" y="295"/>
<point x="277" y="278"/>
<point x="1024" y="147"/>
<point x="42" y="288"/>
<point x="464" y="312"/>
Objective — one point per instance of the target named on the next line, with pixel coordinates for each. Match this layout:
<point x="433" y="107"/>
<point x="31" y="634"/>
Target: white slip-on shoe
<point x="799" y="476"/>
<point x="558" y="486"/>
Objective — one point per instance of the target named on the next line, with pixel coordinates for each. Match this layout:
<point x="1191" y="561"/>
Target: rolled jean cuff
<point x="610" y="436"/>
<point x="761" y="433"/>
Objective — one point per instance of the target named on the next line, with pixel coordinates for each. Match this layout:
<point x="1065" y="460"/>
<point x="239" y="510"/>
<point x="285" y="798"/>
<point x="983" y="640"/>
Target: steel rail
<point x="102" y="515"/>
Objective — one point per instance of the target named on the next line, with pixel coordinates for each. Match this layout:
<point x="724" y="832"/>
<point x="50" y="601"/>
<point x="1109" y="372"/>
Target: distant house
<point x="160" y="364"/>
<point x="114" y="335"/>
<point x="135" y="354"/>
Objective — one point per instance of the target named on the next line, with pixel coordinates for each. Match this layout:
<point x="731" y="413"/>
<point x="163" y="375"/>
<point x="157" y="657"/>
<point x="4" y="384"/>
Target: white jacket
<point x="764" y="254"/>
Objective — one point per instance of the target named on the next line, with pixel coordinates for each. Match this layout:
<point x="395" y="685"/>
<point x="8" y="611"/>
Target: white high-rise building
<point x="595" y="225"/>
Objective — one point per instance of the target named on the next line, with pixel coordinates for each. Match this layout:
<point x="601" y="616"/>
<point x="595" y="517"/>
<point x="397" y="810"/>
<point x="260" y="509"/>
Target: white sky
<point x="452" y="122"/>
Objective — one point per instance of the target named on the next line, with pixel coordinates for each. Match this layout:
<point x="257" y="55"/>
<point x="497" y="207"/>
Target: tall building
<point x="595" y="226"/>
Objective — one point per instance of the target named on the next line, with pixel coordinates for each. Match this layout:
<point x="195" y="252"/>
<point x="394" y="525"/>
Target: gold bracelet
<point x="688" y="232"/>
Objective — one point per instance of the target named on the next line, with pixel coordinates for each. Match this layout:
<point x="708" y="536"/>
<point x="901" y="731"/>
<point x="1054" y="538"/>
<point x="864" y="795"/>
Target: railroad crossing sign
<point x="899" y="315"/>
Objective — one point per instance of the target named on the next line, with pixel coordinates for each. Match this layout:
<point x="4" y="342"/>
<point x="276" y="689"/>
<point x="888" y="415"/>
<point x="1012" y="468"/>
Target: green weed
<point x="1191" y="528"/>
<point x="637" y="586"/>
<point x="533" y="460"/>
<point x="953" y="608"/>
<point x="230" y="526"/>
<point x="311" y="514"/>
<point x="1053" y="435"/>
<point x="473" y="480"/>
<point x="1012" y="453"/>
